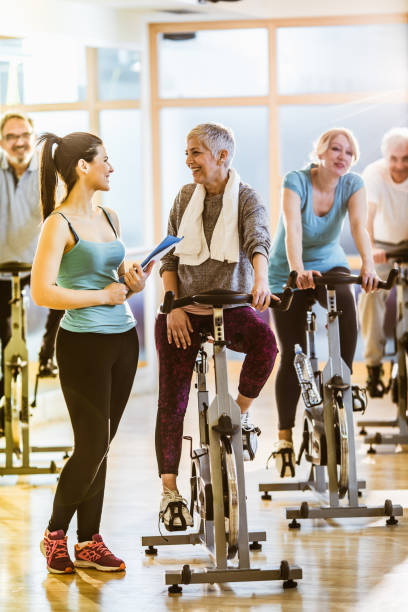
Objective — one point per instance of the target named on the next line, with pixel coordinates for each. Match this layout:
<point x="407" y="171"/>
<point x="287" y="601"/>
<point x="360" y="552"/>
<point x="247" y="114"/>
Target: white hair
<point x="394" y="136"/>
<point x="215" y="137"/>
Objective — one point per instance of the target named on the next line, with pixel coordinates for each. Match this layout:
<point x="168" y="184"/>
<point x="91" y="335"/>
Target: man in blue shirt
<point x="20" y="222"/>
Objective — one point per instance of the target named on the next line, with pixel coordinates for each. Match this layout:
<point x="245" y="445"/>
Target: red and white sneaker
<point x="54" y="548"/>
<point x="95" y="554"/>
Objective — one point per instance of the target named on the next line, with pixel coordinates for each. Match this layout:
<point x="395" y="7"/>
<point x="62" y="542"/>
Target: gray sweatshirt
<point x="212" y="274"/>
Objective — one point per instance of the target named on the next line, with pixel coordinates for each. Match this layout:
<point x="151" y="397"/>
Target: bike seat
<point x="15" y="267"/>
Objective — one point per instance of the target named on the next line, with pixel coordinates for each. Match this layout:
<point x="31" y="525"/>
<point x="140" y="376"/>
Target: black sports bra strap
<point x="75" y="235"/>
<point x="107" y="215"/>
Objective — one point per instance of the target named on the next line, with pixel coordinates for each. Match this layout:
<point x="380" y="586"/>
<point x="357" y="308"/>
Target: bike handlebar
<point x="398" y="252"/>
<point x="223" y="297"/>
<point x="343" y="278"/>
<point x="15" y="267"/>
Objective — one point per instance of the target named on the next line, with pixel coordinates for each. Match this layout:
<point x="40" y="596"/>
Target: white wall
<point x="93" y="25"/>
<point x="97" y="23"/>
<point x="259" y="9"/>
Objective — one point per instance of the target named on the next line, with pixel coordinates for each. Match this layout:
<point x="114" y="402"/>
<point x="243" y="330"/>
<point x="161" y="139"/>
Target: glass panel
<point x="355" y="58"/>
<point x="118" y="74"/>
<point x="42" y="70"/>
<point x="121" y="133"/>
<point x="60" y="122"/>
<point x="250" y="126"/>
<point x="300" y="126"/>
<point x="11" y="70"/>
<point x="214" y="63"/>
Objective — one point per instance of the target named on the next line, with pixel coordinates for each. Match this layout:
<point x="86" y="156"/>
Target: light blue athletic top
<point x="321" y="248"/>
<point x="93" y="265"/>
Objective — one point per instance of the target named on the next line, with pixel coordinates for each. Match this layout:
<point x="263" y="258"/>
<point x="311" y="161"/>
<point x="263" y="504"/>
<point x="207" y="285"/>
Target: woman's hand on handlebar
<point x="135" y="277"/>
<point x="305" y="279"/>
<point x="115" y="293"/>
<point x="379" y="256"/>
<point x="369" y="278"/>
<point x="261" y="296"/>
<point x="179" y="328"/>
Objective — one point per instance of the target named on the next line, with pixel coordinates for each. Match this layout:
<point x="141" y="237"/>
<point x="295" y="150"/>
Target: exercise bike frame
<point x="336" y="411"/>
<point x="16" y="386"/>
<point x="220" y="432"/>
<point x="399" y="255"/>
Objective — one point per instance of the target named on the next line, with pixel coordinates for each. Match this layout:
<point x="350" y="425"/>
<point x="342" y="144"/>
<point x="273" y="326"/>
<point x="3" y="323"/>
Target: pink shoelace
<point x="59" y="548"/>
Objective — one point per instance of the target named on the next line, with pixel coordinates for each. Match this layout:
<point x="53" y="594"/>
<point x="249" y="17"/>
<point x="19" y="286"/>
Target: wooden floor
<point x="357" y="564"/>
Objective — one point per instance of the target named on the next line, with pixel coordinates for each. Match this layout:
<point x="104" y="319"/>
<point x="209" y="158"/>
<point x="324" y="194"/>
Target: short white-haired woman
<point x="315" y="201"/>
<point x="226" y="245"/>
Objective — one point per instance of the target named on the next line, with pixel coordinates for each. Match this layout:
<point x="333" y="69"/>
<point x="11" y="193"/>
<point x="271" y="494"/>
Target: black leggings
<point x="291" y="329"/>
<point x="96" y="374"/>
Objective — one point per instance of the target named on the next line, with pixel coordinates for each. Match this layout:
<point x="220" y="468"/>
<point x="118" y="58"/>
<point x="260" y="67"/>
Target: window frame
<point x="273" y="100"/>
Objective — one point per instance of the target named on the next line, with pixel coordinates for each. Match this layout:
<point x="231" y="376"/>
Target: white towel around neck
<point x="193" y="250"/>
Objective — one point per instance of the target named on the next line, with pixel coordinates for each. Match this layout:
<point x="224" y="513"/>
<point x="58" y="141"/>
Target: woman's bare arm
<point x="292" y="219"/>
<point x="45" y="292"/>
<point x="357" y="209"/>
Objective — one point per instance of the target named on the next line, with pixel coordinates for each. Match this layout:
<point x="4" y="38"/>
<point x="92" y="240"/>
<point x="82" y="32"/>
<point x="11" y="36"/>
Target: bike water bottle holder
<point x="306" y="386"/>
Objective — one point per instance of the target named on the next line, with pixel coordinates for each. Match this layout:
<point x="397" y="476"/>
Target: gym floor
<point x="349" y="565"/>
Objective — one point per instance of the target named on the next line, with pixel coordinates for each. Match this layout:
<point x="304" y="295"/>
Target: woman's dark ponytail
<point x="61" y="160"/>
<point x="48" y="173"/>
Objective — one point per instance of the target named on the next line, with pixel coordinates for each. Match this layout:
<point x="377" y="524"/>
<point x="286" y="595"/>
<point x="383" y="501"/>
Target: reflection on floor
<point x="358" y="564"/>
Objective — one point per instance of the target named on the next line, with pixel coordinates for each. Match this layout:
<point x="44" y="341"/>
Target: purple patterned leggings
<point x="246" y="332"/>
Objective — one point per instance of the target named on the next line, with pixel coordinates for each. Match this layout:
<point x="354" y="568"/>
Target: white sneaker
<point x="284" y="456"/>
<point x="174" y="512"/>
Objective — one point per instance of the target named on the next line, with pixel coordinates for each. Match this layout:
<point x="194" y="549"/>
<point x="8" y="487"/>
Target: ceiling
<point x="250" y="9"/>
<point x="240" y="8"/>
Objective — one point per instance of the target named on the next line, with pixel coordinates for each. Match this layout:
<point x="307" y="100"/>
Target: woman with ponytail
<point x="77" y="266"/>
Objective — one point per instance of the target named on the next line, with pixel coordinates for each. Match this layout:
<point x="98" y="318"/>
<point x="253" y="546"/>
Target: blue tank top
<point x="321" y="249"/>
<point x="94" y="265"/>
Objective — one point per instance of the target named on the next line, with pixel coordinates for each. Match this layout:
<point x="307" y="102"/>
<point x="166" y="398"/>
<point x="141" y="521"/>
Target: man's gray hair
<point x="14" y="115"/>
<point x="215" y="137"/>
<point x="394" y="136"/>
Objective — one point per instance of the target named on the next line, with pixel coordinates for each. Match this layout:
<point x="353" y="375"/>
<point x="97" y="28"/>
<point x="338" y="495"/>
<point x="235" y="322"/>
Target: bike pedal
<point x="250" y="443"/>
<point x="359" y="397"/>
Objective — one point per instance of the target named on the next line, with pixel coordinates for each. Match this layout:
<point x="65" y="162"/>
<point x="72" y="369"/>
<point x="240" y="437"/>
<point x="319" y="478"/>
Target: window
<point x="214" y="63"/>
<point x="118" y="74"/>
<point x="42" y="70"/>
<point x="325" y="59"/>
<point x="121" y="134"/>
<point x="250" y="126"/>
<point x="300" y="126"/>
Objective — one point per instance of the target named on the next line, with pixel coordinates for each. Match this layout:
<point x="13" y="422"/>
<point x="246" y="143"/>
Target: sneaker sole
<point x="101" y="568"/>
<point x="67" y="570"/>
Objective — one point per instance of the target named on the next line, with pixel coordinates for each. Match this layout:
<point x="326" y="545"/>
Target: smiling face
<point x="339" y="155"/>
<point x="204" y="167"/>
<point x="397" y="161"/>
<point x="17" y="140"/>
<point x="98" y="171"/>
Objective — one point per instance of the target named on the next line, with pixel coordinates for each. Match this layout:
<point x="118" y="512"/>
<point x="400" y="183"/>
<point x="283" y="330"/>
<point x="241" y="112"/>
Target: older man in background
<point x="386" y="182"/>
<point x="20" y="223"/>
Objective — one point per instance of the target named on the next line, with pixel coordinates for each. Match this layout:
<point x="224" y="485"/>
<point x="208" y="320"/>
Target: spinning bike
<point x="217" y="475"/>
<point x="15" y="413"/>
<point x="328" y="428"/>
<point x="398" y="379"/>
